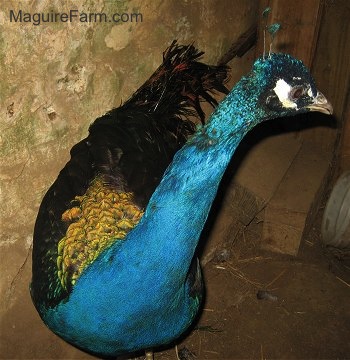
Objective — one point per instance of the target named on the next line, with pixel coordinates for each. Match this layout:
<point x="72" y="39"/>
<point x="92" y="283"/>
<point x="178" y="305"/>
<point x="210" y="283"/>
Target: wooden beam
<point x="345" y="142"/>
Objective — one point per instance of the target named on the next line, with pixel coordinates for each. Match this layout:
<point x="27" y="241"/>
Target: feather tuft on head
<point x="271" y="29"/>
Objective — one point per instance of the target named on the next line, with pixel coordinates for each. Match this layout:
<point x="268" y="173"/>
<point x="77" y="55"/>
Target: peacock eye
<point x="297" y="92"/>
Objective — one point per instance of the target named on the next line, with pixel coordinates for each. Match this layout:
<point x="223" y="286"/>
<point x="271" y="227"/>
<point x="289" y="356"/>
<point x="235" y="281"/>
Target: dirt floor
<point x="305" y="313"/>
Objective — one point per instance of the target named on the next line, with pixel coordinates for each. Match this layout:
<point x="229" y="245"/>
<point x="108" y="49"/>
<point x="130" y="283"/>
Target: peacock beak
<point x="321" y="104"/>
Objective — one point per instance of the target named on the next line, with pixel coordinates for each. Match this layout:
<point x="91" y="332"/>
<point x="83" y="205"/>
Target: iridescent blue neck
<point x="178" y="209"/>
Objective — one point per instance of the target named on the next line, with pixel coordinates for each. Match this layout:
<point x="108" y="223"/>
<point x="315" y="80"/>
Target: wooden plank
<point x="287" y="212"/>
<point x="265" y="165"/>
<point x="345" y="142"/>
<point x="331" y="69"/>
<point x="331" y="66"/>
<point x="282" y="230"/>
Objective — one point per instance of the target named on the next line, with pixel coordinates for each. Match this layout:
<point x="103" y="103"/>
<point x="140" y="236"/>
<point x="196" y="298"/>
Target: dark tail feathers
<point x="181" y="83"/>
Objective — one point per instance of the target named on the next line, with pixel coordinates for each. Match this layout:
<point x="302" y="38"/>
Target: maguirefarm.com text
<point x="72" y="15"/>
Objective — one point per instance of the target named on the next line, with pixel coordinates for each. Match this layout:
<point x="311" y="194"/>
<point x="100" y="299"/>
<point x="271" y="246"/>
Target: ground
<point x="306" y="314"/>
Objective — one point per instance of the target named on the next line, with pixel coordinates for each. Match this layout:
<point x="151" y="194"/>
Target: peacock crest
<point x="270" y="29"/>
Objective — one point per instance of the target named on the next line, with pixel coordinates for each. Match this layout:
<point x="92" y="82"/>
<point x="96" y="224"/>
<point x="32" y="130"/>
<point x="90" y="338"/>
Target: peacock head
<point x="289" y="87"/>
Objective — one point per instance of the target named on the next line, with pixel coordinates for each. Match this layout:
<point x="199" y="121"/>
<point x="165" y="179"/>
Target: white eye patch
<point x="282" y="90"/>
<point x="309" y="92"/>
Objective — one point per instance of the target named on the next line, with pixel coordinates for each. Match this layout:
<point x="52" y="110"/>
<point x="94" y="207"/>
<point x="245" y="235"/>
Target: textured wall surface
<point x="55" y="79"/>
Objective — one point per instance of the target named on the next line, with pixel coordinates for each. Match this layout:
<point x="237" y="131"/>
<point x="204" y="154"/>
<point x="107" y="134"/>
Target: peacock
<point x="101" y="193"/>
<point x="114" y="264"/>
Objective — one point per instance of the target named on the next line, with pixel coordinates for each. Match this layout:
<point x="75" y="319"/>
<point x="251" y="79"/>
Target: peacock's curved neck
<point x="177" y="211"/>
